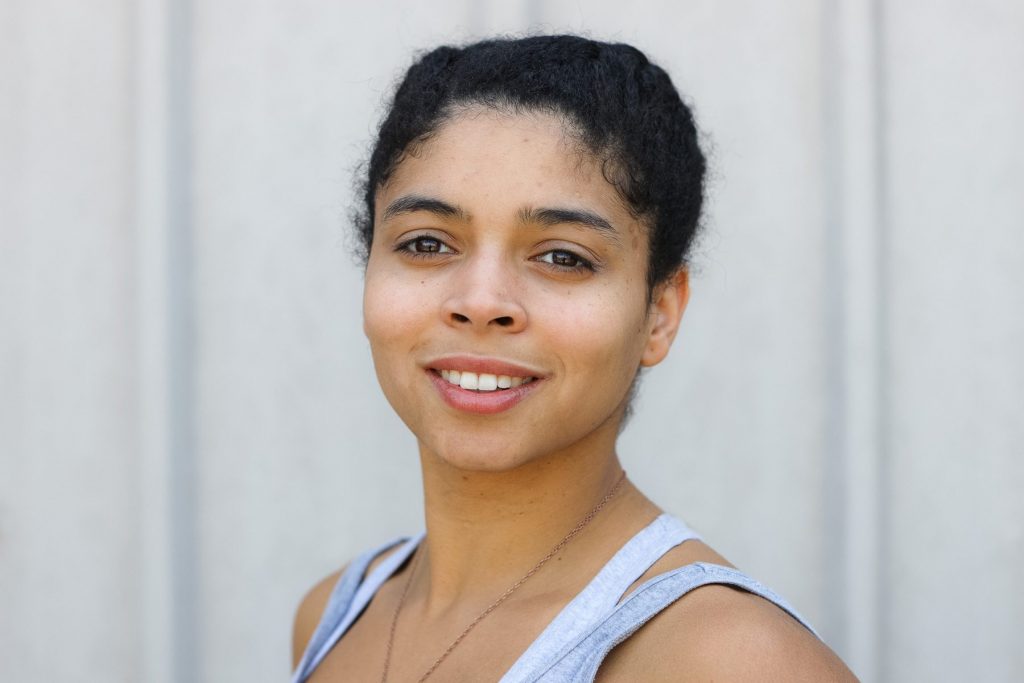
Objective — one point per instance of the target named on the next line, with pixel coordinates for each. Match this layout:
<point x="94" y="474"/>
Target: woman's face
<point x="505" y="300"/>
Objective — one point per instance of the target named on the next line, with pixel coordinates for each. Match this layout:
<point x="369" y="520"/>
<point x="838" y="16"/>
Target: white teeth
<point x="482" y="381"/>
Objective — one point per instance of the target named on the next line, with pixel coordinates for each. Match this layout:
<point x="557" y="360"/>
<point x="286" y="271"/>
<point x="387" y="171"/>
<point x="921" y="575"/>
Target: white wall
<point x="190" y="429"/>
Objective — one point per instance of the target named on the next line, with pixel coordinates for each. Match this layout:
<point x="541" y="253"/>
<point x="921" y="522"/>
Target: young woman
<point x="529" y="208"/>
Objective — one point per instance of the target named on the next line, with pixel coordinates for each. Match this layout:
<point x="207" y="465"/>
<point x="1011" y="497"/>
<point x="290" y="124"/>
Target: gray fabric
<point x="348" y="600"/>
<point x="573" y="645"/>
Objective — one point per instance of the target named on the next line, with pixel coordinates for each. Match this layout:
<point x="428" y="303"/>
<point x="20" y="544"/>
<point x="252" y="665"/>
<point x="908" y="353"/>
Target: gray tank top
<point x="576" y="641"/>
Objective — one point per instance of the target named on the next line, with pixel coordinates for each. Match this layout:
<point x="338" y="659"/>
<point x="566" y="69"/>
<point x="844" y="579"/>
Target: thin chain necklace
<point x="512" y="589"/>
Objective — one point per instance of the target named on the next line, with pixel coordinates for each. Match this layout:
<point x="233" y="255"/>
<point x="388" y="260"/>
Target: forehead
<point x="482" y="156"/>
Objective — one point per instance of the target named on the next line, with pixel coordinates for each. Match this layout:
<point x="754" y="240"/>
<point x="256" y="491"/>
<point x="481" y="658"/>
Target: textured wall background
<point x="190" y="429"/>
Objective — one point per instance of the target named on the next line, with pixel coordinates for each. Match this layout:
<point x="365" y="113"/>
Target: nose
<point x="485" y="295"/>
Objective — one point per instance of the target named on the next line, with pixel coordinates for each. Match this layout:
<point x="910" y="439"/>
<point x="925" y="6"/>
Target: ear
<point x="666" y="312"/>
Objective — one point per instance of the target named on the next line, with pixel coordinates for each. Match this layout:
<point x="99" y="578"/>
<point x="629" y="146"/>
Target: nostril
<point x="504" y="321"/>
<point x="459" y="318"/>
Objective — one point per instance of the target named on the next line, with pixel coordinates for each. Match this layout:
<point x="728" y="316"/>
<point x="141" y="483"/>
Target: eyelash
<point x="407" y="247"/>
<point x="582" y="264"/>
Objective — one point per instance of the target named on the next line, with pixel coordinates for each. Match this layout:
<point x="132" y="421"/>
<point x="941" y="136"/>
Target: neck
<point x="485" y="530"/>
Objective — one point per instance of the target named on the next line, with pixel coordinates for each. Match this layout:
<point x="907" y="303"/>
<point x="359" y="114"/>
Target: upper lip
<point x="484" y="365"/>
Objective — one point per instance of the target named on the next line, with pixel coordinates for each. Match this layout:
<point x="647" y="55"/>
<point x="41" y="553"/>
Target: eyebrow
<point x="557" y="216"/>
<point x="412" y="202"/>
<point x="545" y="216"/>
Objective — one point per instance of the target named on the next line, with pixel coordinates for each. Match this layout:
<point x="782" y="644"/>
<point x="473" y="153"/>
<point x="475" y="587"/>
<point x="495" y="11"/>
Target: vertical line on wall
<point x="487" y="17"/>
<point x="854" y="476"/>
<point x="150" y="199"/>
<point x="836" y="453"/>
<point x="476" y="18"/>
<point x="534" y="11"/>
<point x="163" y="214"/>
<point x="883" y="252"/>
<point x="182" y="345"/>
<point x="148" y="52"/>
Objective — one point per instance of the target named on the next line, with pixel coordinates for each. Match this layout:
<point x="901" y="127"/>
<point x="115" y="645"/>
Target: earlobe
<point x="670" y="302"/>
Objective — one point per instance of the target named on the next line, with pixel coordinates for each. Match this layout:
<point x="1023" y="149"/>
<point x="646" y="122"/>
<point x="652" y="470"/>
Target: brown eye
<point x="421" y="246"/>
<point x="427" y="245"/>
<point x="565" y="260"/>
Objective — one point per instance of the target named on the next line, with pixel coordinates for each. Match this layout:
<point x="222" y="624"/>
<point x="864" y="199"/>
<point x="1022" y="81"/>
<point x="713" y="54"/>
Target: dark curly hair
<point x="623" y="108"/>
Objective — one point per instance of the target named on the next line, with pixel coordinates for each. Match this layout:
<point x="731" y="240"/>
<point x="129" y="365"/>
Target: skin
<point x="490" y="274"/>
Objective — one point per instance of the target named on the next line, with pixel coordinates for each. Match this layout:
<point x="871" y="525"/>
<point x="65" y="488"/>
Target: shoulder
<point x="307" y="616"/>
<point x="311" y="607"/>
<point x="722" y="633"/>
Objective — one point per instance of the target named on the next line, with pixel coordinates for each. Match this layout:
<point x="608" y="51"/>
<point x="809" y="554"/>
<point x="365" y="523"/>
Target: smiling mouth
<point x="482" y="381"/>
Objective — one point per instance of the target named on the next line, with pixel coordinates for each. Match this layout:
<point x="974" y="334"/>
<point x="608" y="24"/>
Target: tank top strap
<point x="351" y="595"/>
<point x="582" y="660"/>
<point x="599" y="597"/>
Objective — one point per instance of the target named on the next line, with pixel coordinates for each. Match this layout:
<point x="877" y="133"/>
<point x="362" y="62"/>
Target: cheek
<point x="603" y="336"/>
<point x="390" y="311"/>
<point x="393" y="322"/>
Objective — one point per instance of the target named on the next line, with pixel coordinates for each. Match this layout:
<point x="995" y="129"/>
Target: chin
<point x="474" y="456"/>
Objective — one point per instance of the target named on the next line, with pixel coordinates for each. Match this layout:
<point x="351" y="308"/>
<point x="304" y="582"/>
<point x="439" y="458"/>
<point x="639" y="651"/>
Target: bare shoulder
<point x="312" y="605"/>
<point x="722" y="633"/>
<point x="307" y="616"/>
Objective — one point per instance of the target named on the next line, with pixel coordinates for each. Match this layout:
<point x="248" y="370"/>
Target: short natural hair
<point x="623" y="108"/>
